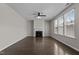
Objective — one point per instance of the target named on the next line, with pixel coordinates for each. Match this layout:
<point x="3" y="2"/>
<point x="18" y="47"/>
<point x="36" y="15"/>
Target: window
<point x="60" y="25"/>
<point x="55" y="27"/>
<point x="64" y="25"/>
<point x="69" y="23"/>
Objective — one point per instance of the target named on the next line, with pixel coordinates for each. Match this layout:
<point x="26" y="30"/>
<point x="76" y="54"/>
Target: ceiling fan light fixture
<point x="38" y="17"/>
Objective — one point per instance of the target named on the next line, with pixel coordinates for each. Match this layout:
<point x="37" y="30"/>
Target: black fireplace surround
<point x="39" y="34"/>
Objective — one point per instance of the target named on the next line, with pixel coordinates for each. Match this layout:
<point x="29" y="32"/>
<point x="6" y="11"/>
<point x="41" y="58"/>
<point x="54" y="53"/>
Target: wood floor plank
<point x="39" y="46"/>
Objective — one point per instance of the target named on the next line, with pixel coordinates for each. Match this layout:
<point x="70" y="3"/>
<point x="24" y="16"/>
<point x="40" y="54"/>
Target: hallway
<point x="38" y="46"/>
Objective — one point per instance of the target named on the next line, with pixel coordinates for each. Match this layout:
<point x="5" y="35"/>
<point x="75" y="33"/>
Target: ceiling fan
<point x="39" y="14"/>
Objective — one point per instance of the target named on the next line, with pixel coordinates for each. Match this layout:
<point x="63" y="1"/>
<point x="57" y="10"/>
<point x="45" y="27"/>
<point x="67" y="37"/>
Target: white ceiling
<point x="27" y="10"/>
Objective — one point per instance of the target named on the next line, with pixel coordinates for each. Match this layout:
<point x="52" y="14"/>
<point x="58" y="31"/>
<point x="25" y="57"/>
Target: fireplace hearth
<point x="39" y="34"/>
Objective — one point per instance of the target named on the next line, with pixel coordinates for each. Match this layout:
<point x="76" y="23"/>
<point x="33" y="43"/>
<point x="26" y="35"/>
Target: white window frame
<point x="64" y="24"/>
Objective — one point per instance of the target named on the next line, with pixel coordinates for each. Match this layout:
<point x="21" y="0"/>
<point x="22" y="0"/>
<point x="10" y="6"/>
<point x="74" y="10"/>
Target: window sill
<point x="65" y="36"/>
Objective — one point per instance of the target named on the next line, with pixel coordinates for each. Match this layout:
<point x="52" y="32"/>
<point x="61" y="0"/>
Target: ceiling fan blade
<point x="35" y="13"/>
<point x="42" y="15"/>
<point x="39" y="14"/>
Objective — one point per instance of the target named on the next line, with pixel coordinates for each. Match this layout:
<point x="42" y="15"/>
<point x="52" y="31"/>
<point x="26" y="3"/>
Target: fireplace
<point x="39" y="34"/>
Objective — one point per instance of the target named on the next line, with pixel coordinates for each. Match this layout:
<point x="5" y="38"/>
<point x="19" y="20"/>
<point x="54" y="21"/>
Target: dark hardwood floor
<point x="38" y="46"/>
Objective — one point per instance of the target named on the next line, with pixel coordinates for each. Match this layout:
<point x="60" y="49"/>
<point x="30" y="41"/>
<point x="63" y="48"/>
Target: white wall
<point x="72" y="42"/>
<point x="46" y="28"/>
<point x="12" y="27"/>
<point x="30" y="28"/>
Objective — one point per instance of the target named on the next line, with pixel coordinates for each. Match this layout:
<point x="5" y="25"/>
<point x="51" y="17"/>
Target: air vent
<point x="67" y="4"/>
